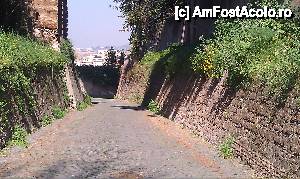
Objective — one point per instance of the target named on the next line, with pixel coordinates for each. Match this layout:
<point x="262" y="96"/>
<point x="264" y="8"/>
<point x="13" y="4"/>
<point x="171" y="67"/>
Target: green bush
<point x="87" y="101"/>
<point x="172" y="60"/>
<point x="253" y="50"/>
<point x="151" y="58"/>
<point x="142" y="71"/>
<point x="81" y="106"/>
<point x="66" y="48"/>
<point x="153" y="107"/>
<point x="226" y="149"/>
<point x="20" y="52"/>
<point x="58" y="113"/>
<point x="176" y="60"/>
<point x="47" y="120"/>
<point x="21" y="61"/>
<point x="18" y="137"/>
<point x="250" y="51"/>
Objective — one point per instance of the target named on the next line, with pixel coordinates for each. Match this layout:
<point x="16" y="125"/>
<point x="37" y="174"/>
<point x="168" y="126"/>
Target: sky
<point x="93" y="23"/>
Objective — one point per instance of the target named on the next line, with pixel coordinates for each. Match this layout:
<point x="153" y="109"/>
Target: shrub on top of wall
<point x="21" y="52"/>
<point x="168" y="62"/>
<point x="173" y="60"/>
<point x="21" y="61"/>
<point x="253" y="50"/>
<point x="261" y="51"/>
<point x="66" y="48"/>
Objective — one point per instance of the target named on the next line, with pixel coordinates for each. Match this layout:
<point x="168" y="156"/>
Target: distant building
<point x="102" y="53"/>
<point x="99" y="60"/>
<point x="87" y="57"/>
<point x="91" y="60"/>
<point x="84" y="61"/>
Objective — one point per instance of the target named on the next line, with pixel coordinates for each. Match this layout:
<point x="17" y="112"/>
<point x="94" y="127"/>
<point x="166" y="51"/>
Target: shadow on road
<point x="135" y="108"/>
<point x="80" y="169"/>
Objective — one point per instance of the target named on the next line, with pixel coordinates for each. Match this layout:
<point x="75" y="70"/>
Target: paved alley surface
<point x="114" y="139"/>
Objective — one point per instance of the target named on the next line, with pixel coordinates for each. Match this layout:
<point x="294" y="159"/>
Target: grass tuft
<point x="19" y="137"/>
<point x="58" y="113"/>
<point x="87" y="101"/>
<point x="226" y="148"/>
<point x="153" y="107"/>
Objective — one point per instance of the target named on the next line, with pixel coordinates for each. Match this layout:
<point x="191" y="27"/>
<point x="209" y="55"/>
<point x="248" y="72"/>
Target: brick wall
<point x="51" y="20"/>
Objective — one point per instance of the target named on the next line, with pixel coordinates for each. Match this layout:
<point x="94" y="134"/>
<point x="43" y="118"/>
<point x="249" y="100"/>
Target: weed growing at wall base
<point x="87" y="101"/>
<point x="153" y="107"/>
<point x="58" y="113"/>
<point x="226" y="148"/>
<point x="18" y="137"/>
<point x="47" y="120"/>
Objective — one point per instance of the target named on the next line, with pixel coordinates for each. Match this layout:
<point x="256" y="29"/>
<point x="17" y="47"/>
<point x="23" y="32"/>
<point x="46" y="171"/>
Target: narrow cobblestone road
<point x="114" y="139"/>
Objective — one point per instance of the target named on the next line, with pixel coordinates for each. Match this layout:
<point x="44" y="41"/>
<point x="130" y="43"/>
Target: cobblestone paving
<point x="114" y="139"/>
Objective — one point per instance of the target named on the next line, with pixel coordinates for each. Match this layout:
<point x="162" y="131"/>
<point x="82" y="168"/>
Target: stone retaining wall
<point x="48" y="90"/>
<point x="267" y="136"/>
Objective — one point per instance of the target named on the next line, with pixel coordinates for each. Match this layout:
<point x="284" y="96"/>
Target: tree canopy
<point x="145" y="19"/>
<point x="15" y="16"/>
